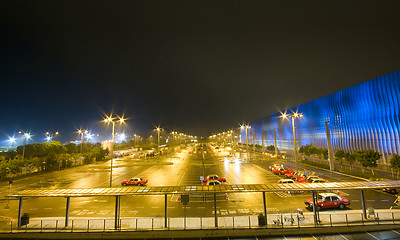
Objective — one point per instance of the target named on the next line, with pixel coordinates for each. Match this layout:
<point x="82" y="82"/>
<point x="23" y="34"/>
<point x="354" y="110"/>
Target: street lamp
<point x="26" y="136"/>
<point x="49" y="135"/>
<point x="111" y="120"/>
<point x="81" y="132"/>
<point x="158" y="129"/>
<point x="293" y="116"/>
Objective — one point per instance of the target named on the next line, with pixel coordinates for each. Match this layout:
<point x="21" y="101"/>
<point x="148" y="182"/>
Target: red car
<point x="134" y="182"/>
<point x="282" y="170"/>
<point x="328" y="200"/>
<point x="214" y="177"/>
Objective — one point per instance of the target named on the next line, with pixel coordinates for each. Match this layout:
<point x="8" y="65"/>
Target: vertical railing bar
<point x="377" y="217"/>
<point x="88" y="225"/>
<point x="41" y="225"/>
<point x="330" y="219"/>
<point x="169" y="222"/>
<point x="233" y="222"/>
<point x="11" y="226"/>
<point x="298" y="220"/>
<point x="152" y="224"/>
<point x="347" y="221"/>
<point x="72" y="227"/>
<point x="56" y="224"/>
<point x="104" y="225"/>
<point x="393" y="217"/>
<point x="249" y="223"/>
<point x="201" y="222"/>
<point x="136" y="224"/>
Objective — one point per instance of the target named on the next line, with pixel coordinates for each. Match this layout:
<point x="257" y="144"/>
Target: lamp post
<point x="81" y="132"/>
<point x="11" y="140"/>
<point x="293" y="116"/>
<point x="26" y="136"/>
<point x="158" y="129"/>
<point x="49" y="135"/>
<point x="111" y="120"/>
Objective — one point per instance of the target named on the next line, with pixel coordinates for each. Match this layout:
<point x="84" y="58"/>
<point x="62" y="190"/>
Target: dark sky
<point x="193" y="66"/>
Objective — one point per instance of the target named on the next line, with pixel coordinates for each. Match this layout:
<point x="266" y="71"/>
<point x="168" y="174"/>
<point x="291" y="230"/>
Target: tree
<point x="395" y="163"/>
<point x="367" y="158"/>
<point x="349" y="158"/>
<point x="271" y="148"/>
<point x="339" y="156"/>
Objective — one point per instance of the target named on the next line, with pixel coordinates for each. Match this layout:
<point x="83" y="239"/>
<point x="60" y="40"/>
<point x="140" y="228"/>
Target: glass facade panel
<point x="365" y="116"/>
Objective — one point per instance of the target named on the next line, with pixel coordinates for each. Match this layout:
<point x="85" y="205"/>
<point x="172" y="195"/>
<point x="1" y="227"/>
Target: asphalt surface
<point x="182" y="168"/>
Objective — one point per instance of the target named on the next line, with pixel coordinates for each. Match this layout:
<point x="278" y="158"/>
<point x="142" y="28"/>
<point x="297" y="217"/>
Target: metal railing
<point x="279" y="220"/>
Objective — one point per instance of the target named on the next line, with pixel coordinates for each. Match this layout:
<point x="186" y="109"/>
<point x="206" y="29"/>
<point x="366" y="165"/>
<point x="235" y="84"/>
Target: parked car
<point x="213" y="183"/>
<point x="319" y="180"/>
<point x="285" y="181"/>
<point x="134" y="182"/>
<point x="328" y="200"/>
<point x="214" y="177"/>
<point x="311" y="177"/>
<point x="390" y="190"/>
<point x="282" y="170"/>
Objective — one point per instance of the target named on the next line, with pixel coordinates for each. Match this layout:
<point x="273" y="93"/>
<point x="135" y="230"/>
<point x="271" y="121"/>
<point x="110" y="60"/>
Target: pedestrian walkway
<point x="278" y="220"/>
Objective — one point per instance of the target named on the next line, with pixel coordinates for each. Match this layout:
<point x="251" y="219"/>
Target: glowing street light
<point x="293" y="116"/>
<point x="158" y="129"/>
<point x="50" y="135"/>
<point x="107" y="120"/>
<point x="81" y="132"/>
<point x="26" y="136"/>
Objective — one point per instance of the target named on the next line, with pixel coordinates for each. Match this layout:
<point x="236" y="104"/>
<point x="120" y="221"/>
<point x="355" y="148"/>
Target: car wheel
<point x="319" y="208"/>
<point x="124" y="184"/>
<point x="342" y="206"/>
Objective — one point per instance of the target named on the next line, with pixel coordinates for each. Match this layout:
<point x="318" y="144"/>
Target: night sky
<point x="192" y="66"/>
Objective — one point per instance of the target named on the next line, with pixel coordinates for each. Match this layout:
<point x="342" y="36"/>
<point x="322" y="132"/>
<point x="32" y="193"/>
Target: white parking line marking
<point x="396" y="232"/>
<point x="343" y="236"/>
<point x="372" y="235"/>
<point x="385" y="200"/>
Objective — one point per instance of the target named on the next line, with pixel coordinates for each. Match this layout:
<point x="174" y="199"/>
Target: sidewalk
<point x="286" y="220"/>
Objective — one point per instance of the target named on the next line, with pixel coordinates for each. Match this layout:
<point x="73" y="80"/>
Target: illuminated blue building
<point x="365" y="116"/>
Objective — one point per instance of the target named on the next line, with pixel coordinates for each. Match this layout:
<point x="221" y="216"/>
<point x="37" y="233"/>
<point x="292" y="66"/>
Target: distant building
<point x="365" y="116"/>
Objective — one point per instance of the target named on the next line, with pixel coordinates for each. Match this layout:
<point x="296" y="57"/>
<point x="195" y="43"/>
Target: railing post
<point x="11" y="225"/>
<point x="215" y="210"/>
<point x="67" y="211"/>
<point x="330" y="219"/>
<point x="152" y="224"/>
<point x="347" y="221"/>
<point x="363" y="203"/>
<point x="233" y="222"/>
<point x="56" y="224"/>
<point x="298" y="220"/>
<point x="377" y="217"/>
<point x="88" y="225"/>
<point x="72" y="225"/>
<point x="41" y="225"/>
<point x="136" y="224"/>
<point x="249" y="223"/>
<point x="104" y="226"/>
<point x="201" y="222"/>
<point x="166" y="210"/>
<point x="392" y="217"/>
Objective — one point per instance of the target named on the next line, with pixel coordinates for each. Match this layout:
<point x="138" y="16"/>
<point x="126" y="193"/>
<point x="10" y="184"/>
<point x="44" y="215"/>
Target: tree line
<point x="43" y="157"/>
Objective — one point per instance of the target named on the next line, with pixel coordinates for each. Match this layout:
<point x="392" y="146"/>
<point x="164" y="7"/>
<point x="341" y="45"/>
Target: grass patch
<point x="320" y="165"/>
